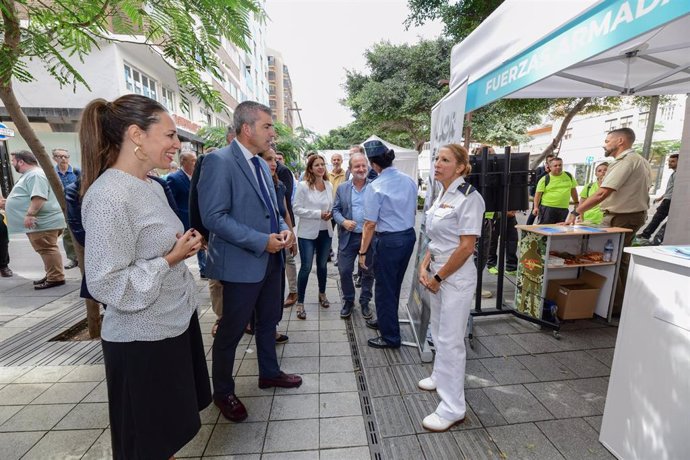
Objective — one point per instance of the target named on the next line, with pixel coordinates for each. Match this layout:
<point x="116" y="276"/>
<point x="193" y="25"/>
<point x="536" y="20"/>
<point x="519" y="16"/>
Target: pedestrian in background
<point x="288" y="179"/>
<point x="33" y="208"/>
<point x="155" y="366"/>
<point x="554" y="192"/>
<point x="453" y="224"/>
<point x="5" y="270"/>
<point x="594" y="215"/>
<point x="313" y="206"/>
<point x="390" y="204"/>
<point x="68" y="175"/>
<point x="540" y="172"/>
<point x="665" y="206"/>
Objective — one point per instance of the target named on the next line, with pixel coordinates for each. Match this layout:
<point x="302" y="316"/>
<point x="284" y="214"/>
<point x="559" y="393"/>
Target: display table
<point x="647" y="413"/>
<point x="535" y="271"/>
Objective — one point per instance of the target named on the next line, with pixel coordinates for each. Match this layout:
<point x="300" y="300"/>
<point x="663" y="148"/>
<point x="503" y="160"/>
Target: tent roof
<point x="575" y="48"/>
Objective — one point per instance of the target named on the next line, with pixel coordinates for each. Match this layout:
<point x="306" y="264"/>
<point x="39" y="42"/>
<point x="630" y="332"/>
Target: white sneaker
<point x="487" y="294"/>
<point x="434" y="422"/>
<point x="427" y="384"/>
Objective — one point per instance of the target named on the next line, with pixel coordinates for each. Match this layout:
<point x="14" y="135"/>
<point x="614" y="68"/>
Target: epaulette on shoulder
<point x="466" y="188"/>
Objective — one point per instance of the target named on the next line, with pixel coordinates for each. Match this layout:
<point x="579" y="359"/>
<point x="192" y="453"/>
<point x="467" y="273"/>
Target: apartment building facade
<point x="280" y="88"/>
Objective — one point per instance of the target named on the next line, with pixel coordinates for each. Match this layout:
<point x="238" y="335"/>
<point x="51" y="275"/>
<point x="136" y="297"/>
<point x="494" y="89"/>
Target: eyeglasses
<point x="61" y="156"/>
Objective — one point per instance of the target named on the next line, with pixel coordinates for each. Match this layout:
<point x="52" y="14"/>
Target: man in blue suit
<point x="246" y="240"/>
<point x="179" y="183"/>
<point x="348" y="213"/>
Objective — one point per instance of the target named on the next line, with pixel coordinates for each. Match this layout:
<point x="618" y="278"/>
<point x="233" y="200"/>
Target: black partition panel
<point x="518" y="180"/>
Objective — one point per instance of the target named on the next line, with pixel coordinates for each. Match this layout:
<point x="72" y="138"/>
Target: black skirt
<point x="155" y="393"/>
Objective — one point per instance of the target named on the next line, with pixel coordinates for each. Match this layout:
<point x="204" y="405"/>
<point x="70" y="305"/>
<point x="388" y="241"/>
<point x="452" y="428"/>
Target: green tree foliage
<point x="213" y="136"/>
<point x="395" y="99"/>
<point x="460" y="17"/>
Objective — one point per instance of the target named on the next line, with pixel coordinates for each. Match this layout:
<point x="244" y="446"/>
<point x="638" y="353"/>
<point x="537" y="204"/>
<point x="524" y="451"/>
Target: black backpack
<point x="548" y="178"/>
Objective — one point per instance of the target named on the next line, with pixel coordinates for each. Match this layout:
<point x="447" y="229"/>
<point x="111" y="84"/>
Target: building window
<point x="140" y="83"/>
<point x="667" y="112"/>
<point x="626" y="122"/>
<point x="610" y="125"/>
<point x="568" y="134"/>
<point x="643" y="119"/>
<point x="271" y="75"/>
<point x="168" y="99"/>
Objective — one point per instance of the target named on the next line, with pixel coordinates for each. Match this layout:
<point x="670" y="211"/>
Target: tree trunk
<point x="564" y="126"/>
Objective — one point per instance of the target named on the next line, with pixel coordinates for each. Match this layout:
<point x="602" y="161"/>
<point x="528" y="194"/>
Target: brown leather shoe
<point x="48" y="284"/>
<point x="41" y="281"/>
<point x="6" y="272"/>
<point x="231" y="408"/>
<point x="282" y="380"/>
<point x="290" y="300"/>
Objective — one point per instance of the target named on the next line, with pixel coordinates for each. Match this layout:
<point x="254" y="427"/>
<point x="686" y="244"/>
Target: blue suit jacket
<point x="342" y="211"/>
<point x="179" y="185"/>
<point x="234" y="212"/>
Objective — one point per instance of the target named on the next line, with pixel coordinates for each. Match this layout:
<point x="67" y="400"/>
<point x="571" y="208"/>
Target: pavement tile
<point x="408" y="376"/>
<point x="478" y="351"/>
<point x="209" y="416"/>
<point x="561" y="400"/>
<point x="477" y="445"/>
<point x="258" y="408"/>
<point x="288" y="435"/>
<point x="293" y="407"/>
<point x="575" y="439"/>
<point x="351" y="453"/>
<point x="6" y="412"/>
<point x="545" y="367"/>
<point x="492" y="326"/>
<point x="84" y="416"/>
<point x="392" y="417"/>
<point x="86" y="373"/>
<point x="98" y="394"/>
<point x="342" y="432"/>
<point x="402" y="355"/>
<point x="339" y="404"/>
<point x="582" y="364"/>
<point x="403" y="447"/>
<point x="300" y="350"/>
<point x="336" y="364"/>
<point x="332" y="324"/>
<point x="477" y="375"/>
<point x="37" y="417"/>
<point x="333" y="336"/>
<point x="523" y="441"/>
<point x="21" y="393"/>
<point x="592" y="390"/>
<point x="485" y="410"/>
<point x="11" y="373"/>
<point x="300" y="365"/>
<point x="337" y="382"/>
<point x="303" y="326"/>
<point x="381" y="382"/>
<point x="516" y="404"/>
<point x="439" y="445"/>
<point x="249" y="386"/>
<point x="508" y="370"/>
<point x="45" y="374"/>
<point x="247" y="367"/>
<point x="605" y="355"/>
<point x="501" y="345"/>
<point x="196" y="447"/>
<point x="15" y="445"/>
<point x="304" y="337"/>
<point x="310" y="384"/>
<point x="594" y="421"/>
<point x="301" y="455"/>
<point x="72" y="392"/>
<point x="538" y="342"/>
<point x="9" y="332"/>
<point x="236" y="438"/>
<point x="63" y="444"/>
<point x="335" y="349"/>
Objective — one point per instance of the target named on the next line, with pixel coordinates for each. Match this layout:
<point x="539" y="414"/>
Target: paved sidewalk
<point x="529" y="395"/>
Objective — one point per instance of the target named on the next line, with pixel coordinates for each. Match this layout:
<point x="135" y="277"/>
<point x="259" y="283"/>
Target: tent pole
<point x="651" y="120"/>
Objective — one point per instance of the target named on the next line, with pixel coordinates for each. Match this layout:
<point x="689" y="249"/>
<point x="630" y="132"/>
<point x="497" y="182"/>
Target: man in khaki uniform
<point x="623" y="196"/>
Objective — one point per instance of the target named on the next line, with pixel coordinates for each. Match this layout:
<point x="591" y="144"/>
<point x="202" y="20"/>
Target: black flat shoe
<point x="48" y="284"/>
<point x="41" y="281"/>
<point x="380" y="342"/>
<point x="373" y="324"/>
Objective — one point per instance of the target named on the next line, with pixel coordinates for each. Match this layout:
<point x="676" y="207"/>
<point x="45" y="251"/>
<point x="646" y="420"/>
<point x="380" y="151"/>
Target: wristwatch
<point x="574" y="213"/>
<point x="438" y="278"/>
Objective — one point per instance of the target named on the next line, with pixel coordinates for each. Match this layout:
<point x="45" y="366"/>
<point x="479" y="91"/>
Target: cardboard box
<point x="576" y="298"/>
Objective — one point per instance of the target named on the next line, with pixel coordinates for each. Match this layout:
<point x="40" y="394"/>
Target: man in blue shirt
<point x="68" y="175"/>
<point x="348" y="213"/>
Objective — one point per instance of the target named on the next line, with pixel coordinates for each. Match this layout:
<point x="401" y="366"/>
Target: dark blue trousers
<point x="392" y="252"/>
<point x="240" y="300"/>
<point x="347" y="257"/>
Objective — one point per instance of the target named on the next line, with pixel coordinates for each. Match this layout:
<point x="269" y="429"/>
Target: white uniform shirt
<point x="454" y="214"/>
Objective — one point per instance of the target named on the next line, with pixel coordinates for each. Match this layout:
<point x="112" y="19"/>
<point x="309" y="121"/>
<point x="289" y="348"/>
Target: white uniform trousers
<point x="450" y="310"/>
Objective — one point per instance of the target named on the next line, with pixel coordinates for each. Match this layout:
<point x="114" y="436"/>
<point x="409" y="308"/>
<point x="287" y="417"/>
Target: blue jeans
<point x="307" y="248"/>
<point x="347" y="257"/>
<point x="201" y="257"/>
<point x="392" y="252"/>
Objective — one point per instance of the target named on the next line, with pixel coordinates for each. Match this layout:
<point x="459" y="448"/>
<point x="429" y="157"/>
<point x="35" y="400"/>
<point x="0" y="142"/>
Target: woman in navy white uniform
<point x="453" y="224"/>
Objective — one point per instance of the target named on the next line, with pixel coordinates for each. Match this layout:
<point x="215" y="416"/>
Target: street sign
<point x="590" y="159"/>
<point x="5" y="132"/>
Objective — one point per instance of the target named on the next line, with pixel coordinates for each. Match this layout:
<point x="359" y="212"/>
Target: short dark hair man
<point x="554" y="191"/>
<point x="665" y="199"/>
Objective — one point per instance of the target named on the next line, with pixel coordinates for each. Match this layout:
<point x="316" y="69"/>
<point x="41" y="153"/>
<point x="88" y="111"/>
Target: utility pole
<point x="299" y="114"/>
<point x="651" y="120"/>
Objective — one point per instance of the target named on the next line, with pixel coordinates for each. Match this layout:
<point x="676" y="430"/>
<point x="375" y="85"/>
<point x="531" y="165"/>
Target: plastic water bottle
<point x="608" y="251"/>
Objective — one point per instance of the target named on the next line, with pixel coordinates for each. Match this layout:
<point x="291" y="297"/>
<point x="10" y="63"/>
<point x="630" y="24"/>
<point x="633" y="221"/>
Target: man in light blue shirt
<point x="390" y="203"/>
<point x="348" y="213"/>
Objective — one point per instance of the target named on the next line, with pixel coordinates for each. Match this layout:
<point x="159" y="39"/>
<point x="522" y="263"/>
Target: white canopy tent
<point x="405" y="159"/>
<point x="576" y="48"/>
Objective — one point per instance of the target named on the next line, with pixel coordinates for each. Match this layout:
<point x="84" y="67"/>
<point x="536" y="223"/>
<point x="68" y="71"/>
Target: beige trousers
<point x="45" y="244"/>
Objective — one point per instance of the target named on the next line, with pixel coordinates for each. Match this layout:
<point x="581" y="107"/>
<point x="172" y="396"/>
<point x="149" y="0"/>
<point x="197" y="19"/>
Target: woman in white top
<point x="135" y="250"/>
<point x="313" y="205"/>
<point x="453" y="224"/>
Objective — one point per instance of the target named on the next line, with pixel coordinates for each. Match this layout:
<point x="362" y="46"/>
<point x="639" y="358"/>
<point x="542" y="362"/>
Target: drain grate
<point x="364" y="398"/>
